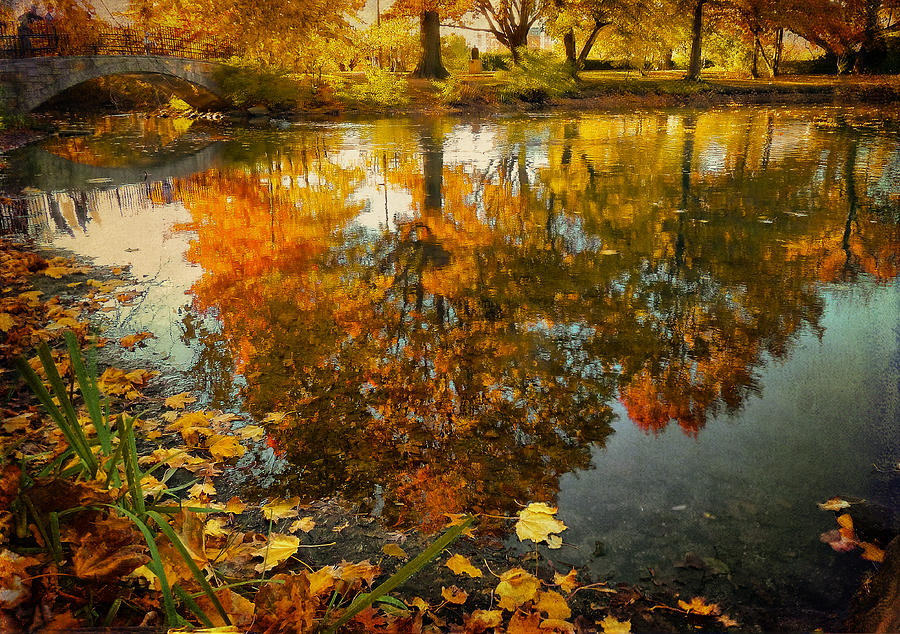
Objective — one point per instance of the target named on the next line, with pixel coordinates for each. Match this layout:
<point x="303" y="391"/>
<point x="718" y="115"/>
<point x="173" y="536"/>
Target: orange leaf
<point x="454" y="594"/>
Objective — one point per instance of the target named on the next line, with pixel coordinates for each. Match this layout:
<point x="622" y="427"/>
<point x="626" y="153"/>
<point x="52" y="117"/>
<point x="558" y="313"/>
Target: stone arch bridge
<point x="30" y="81"/>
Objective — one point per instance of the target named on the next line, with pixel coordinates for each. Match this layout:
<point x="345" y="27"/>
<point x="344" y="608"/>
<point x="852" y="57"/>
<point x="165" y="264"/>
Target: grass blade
<point x="132" y="469"/>
<point x="189" y="561"/>
<point x="87" y="385"/>
<point x="156" y="567"/>
<point x="192" y="605"/>
<point x="408" y="570"/>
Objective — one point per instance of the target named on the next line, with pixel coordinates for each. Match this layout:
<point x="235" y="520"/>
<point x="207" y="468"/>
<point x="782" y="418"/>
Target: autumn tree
<point x="269" y="31"/>
<point x="429" y="14"/>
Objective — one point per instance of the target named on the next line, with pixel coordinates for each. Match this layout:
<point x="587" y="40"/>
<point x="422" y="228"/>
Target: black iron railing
<point x="47" y="38"/>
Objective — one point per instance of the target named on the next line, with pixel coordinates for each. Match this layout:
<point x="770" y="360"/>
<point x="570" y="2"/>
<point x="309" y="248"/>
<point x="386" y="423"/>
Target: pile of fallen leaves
<point x="72" y="556"/>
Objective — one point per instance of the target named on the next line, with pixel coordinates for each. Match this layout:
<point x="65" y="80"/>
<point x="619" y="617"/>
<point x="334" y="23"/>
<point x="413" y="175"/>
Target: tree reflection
<point x="466" y="355"/>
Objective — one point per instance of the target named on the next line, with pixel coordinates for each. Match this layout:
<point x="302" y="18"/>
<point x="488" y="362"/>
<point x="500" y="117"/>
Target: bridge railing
<point x="44" y="39"/>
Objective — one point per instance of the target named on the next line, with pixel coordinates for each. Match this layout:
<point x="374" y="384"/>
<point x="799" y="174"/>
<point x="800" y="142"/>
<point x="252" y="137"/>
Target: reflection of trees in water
<point x="467" y="357"/>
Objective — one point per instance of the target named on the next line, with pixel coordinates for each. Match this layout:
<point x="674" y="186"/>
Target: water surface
<point x="681" y="327"/>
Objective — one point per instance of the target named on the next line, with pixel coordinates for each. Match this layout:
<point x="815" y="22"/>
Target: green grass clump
<point x="378" y="88"/>
<point x="537" y="77"/>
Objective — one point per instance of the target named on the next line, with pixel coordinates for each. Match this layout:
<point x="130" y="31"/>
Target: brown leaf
<point x="15" y="583"/>
<point x="453" y="594"/>
<point x="110" y="549"/>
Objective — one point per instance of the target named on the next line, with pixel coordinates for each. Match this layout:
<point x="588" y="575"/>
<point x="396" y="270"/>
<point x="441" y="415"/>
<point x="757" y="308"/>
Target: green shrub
<point x="456" y="92"/>
<point x="495" y="61"/>
<point x="455" y="53"/>
<point x="539" y="76"/>
<point x="379" y="88"/>
<point x="251" y="83"/>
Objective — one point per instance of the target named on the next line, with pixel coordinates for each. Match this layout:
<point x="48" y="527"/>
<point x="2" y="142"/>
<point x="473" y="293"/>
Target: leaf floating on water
<point x="536" y="522"/>
<point x="393" y="550"/>
<point x="460" y="564"/>
<point x="131" y="340"/>
<point x="871" y="552"/>
<point x="834" y="504"/>
<point x="277" y="550"/>
<point x="279" y="509"/>
<point x="180" y="401"/>
<point x="698" y="605"/>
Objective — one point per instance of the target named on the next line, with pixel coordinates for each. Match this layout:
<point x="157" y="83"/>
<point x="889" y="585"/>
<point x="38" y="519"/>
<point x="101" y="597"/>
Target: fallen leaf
<point x="727" y="621"/>
<point x="180" y="401"/>
<point x="871" y="552"/>
<point x="279" y="509"/>
<point x="223" y="447"/>
<point x="515" y="588"/>
<point x="276" y="550"/>
<point x="251" y="432"/>
<point x="304" y="524"/>
<point x="568" y="582"/>
<point x="698" y="605"/>
<point x="552" y="604"/>
<point x="393" y="550"/>
<point x="536" y="522"/>
<point x="15" y="582"/>
<point x="131" y="340"/>
<point x="612" y="625"/>
<point x="454" y="595"/>
<point x="7" y="321"/>
<point x="460" y="564"/>
<point x="16" y="423"/>
<point x="111" y="548"/>
<point x="481" y="620"/>
<point x="834" y="504"/>
<point x="557" y="625"/>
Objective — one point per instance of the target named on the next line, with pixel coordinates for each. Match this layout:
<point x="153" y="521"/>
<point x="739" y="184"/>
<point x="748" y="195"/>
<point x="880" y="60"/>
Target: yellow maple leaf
<point x="180" y="401"/>
<point x="223" y="447"/>
<point x="277" y="549"/>
<point x="206" y="489"/>
<point x="216" y="527"/>
<point x="515" y="588"/>
<point x="393" y="550"/>
<point x="279" y="509"/>
<point x="31" y="296"/>
<point x="454" y="595"/>
<point x="612" y="625"/>
<point x="6" y="322"/>
<point x="460" y="564"/>
<point x="568" y="582"/>
<point x="698" y="605"/>
<point x="552" y="604"/>
<point x="304" y="524"/>
<point x="536" y="522"/>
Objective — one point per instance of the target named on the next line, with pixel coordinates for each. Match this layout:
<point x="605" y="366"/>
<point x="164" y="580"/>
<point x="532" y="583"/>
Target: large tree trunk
<point x="873" y="49"/>
<point x="779" y="50"/>
<point x="569" y="44"/>
<point x="696" y="62"/>
<point x="430" y="65"/>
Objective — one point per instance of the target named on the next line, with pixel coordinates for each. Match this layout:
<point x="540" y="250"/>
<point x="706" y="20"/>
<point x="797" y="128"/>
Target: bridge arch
<point x="32" y="81"/>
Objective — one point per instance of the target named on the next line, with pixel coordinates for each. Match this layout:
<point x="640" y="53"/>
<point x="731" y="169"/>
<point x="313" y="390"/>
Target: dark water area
<point x="682" y="328"/>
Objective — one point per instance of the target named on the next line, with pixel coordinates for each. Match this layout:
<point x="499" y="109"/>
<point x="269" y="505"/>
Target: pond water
<point x="681" y="327"/>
